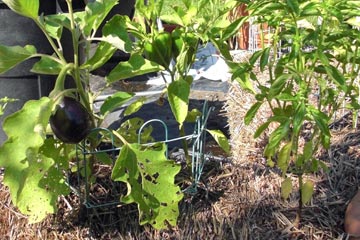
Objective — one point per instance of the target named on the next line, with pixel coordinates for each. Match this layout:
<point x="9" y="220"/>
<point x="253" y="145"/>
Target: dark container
<point x="19" y="82"/>
<point x="125" y="7"/>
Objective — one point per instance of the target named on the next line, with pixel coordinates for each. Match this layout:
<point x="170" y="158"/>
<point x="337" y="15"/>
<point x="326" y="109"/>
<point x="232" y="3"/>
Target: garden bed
<point x="235" y="202"/>
<point x="237" y="199"/>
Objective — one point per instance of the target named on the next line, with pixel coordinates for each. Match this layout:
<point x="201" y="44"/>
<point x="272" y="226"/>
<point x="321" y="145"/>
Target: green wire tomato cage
<point x="197" y="142"/>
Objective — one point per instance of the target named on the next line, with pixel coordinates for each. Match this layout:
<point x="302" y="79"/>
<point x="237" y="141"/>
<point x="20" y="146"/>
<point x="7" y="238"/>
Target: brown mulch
<point x="238" y="197"/>
<point x="235" y="201"/>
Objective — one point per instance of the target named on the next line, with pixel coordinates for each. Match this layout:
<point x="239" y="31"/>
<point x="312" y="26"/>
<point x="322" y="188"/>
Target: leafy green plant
<point x="36" y="156"/>
<point x="197" y="22"/>
<point x="313" y="69"/>
<point x="34" y="162"/>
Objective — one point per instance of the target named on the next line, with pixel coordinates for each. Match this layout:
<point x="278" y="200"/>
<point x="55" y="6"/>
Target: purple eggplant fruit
<point x="71" y="122"/>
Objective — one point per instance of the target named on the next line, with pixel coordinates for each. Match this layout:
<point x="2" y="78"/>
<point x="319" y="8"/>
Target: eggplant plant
<point x="42" y="135"/>
<point x="197" y="23"/>
<point x="313" y="68"/>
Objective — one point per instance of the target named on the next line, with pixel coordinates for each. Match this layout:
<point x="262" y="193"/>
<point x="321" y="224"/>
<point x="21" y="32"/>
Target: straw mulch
<point x="323" y="217"/>
<point x="238" y="198"/>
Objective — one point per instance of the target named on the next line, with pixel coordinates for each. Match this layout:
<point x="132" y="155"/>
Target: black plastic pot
<point x="19" y="82"/>
<point x="125" y="7"/>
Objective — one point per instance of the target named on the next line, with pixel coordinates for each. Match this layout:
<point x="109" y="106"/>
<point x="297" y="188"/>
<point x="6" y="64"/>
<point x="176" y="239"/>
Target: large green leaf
<point x="13" y="55"/>
<point x="251" y="113"/>
<point x="286" y="188"/>
<point x="178" y="94"/>
<point x="53" y="28"/>
<point x="114" y="101"/>
<point x="264" y="59"/>
<point x="276" y="137"/>
<point x="336" y="76"/>
<point x="42" y="182"/>
<point x="233" y="28"/>
<point x="47" y="65"/>
<point x="298" y="118"/>
<point x="95" y="13"/>
<point x="31" y="163"/>
<point x="307" y="190"/>
<point x="135" y="106"/>
<point x="137" y="65"/>
<point x="284" y="157"/>
<point x="25" y="8"/>
<point x="103" y="53"/>
<point x="58" y="20"/>
<point x="115" y="33"/>
<point x="293" y="5"/>
<point x="150" y="180"/>
<point x="278" y="85"/>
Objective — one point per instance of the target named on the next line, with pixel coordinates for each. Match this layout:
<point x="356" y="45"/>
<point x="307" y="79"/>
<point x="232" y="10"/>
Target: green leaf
<point x="322" y="120"/>
<point x="310" y="9"/>
<point x="286" y="188"/>
<point x="314" y="167"/>
<point x="307" y="191"/>
<point x="130" y="131"/>
<point x="268" y="6"/>
<point x="251" y="113"/>
<point x="150" y="180"/>
<point x="28" y="124"/>
<point x="286" y="97"/>
<point x="223" y="48"/>
<point x="278" y="85"/>
<point x="336" y="75"/>
<point x="284" y="157"/>
<point x="276" y="137"/>
<point x="137" y="65"/>
<point x="60" y="19"/>
<point x="114" y="101"/>
<point x="308" y="151"/>
<point x="159" y="49"/>
<point x="246" y="84"/>
<point x="294" y="6"/>
<point x="261" y="129"/>
<point x="264" y="59"/>
<point x="53" y="28"/>
<point x="221" y="139"/>
<point x="42" y="182"/>
<point x="191" y="13"/>
<point x="13" y="55"/>
<point x="95" y="14"/>
<point x="33" y="175"/>
<point x="135" y="106"/>
<point x="115" y="33"/>
<point x="178" y="94"/>
<point x="233" y="28"/>
<point x="193" y="115"/>
<point x="104" y="158"/>
<point x="25" y="8"/>
<point x="299" y="117"/>
<point x="103" y="53"/>
<point x="254" y="57"/>
<point x="47" y="65"/>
